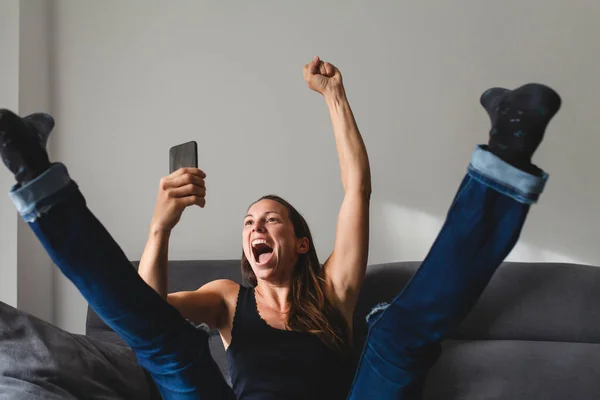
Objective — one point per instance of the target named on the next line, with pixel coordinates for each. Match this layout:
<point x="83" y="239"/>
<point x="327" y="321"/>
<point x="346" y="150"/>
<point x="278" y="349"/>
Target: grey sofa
<point x="534" y="334"/>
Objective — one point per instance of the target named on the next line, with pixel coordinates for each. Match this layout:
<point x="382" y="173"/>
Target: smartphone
<point x="183" y="155"/>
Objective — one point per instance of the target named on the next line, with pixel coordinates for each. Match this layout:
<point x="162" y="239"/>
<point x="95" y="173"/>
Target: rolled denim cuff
<point x="493" y="172"/>
<point x="29" y="198"/>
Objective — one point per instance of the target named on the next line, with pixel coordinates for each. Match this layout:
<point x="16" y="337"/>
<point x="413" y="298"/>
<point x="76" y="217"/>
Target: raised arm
<point x="345" y="267"/>
<point x="176" y="192"/>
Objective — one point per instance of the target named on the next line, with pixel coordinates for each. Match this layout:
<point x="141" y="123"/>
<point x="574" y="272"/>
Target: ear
<point x="302" y="245"/>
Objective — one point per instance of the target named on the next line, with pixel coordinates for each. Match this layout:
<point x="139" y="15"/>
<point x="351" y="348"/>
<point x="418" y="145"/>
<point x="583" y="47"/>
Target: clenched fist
<point x="183" y="188"/>
<point x="322" y="77"/>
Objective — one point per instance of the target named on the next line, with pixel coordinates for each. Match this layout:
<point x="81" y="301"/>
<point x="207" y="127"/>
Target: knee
<point x="376" y="313"/>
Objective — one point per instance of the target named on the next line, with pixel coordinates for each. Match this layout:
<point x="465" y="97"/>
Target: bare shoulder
<point x="226" y="287"/>
<point x="228" y="290"/>
<point x="212" y="303"/>
<point x="221" y="285"/>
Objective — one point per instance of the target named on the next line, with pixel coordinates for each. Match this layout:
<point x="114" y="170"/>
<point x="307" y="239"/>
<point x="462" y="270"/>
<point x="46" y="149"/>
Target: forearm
<point x="352" y="153"/>
<point x="153" y="266"/>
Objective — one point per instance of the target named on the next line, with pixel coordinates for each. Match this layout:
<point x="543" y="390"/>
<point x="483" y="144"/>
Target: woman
<point x="291" y="292"/>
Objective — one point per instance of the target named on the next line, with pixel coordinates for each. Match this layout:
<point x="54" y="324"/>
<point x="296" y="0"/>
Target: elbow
<point x="361" y="188"/>
<point x="358" y="179"/>
<point x="359" y="192"/>
<point x="366" y="191"/>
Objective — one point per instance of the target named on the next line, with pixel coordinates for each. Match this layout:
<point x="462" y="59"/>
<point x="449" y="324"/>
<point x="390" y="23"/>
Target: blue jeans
<point x="482" y="226"/>
<point x="174" y="352"/>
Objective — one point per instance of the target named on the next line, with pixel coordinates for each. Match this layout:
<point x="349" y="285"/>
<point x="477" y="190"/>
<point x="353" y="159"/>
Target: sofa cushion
<point x="40" y="361"/>
<point x="515" y="370"/>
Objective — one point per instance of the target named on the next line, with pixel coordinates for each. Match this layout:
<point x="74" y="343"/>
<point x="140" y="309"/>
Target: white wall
<point x="26" y="270"/>
<point x="35" y="270"/>
<point x="9" y="98"/>
<point x="136" y="77"/>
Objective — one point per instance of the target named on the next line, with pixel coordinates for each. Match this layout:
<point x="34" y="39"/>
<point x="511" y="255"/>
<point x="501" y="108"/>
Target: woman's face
<point x="269" y="241"/>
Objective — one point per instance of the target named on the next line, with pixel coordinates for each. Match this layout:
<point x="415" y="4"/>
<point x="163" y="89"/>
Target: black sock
<point x="23" y="144"/>
<point x="519" y="119"/>
<point x="41" y="125"/>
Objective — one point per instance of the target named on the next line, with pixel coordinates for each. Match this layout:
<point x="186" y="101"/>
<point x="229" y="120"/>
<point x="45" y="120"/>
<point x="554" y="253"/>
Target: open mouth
<point x="262" y="251"/>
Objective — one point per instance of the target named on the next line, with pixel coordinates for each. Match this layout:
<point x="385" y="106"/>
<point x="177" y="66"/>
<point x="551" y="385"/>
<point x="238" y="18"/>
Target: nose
<point x="259" y="227"/>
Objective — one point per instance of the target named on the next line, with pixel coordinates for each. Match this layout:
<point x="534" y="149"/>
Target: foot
<point x="23" y="144"/>
<point x="519" y="119"/>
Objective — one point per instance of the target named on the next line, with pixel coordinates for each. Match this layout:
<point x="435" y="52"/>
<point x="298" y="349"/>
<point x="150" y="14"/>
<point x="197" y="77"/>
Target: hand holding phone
<point x="180" y="189"/>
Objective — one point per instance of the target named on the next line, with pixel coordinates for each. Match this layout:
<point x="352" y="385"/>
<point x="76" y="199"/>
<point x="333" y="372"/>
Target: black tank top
<point x="272" y="364"/>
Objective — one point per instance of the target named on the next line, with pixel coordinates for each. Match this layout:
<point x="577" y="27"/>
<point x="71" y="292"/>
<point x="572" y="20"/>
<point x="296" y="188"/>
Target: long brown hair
<point x="310" y="311"/>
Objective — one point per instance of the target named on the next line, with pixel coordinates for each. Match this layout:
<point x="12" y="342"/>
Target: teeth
<point x="259" y="241"/>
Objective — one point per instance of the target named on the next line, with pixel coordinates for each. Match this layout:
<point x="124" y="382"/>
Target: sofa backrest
<point x="534" y="323"/>
<point x="523" y="301"/>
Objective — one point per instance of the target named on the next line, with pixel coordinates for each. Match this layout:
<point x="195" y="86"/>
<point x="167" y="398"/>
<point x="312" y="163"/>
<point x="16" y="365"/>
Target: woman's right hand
<point x="176" y="192"/>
